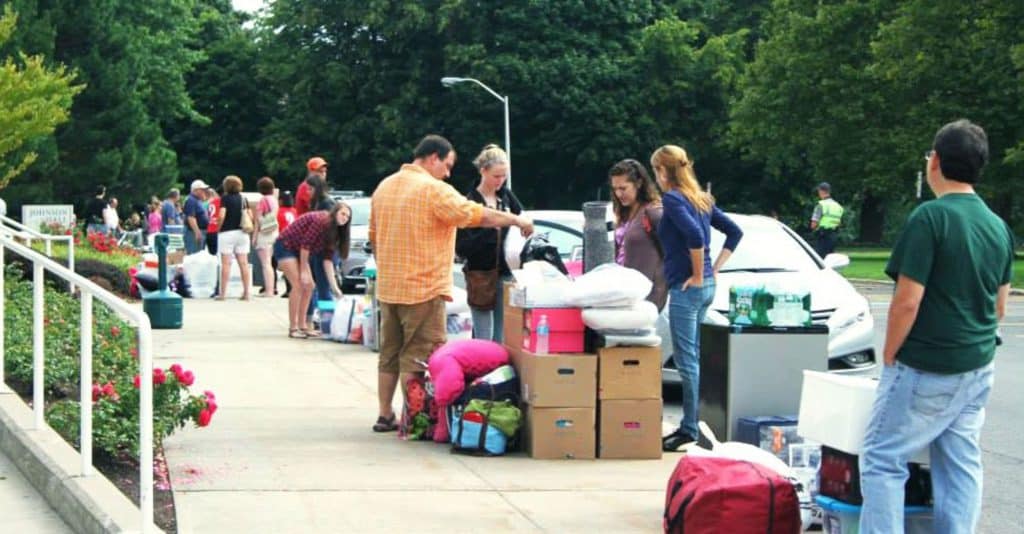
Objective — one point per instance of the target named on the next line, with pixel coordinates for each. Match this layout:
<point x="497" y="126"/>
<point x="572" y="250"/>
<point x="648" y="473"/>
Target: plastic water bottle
<point x="543" y="335"/>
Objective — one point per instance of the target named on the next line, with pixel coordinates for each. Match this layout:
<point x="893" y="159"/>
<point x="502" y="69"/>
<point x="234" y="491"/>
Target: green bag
<point x="502" y="415"/>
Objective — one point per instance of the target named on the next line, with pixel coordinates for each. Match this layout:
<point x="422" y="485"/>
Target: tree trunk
<point x="872" y="219"/>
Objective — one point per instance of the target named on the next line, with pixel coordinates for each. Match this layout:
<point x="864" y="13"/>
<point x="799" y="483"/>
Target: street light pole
<point x="449" y="81"/>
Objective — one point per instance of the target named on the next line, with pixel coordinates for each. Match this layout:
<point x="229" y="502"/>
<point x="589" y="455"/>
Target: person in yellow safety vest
<point x="828" y="214"/>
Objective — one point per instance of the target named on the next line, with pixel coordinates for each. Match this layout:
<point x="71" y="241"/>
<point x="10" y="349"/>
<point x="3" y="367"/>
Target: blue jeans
<point x="686" y="311"/>
<point x="490" y="324"/>
<point x="914" y="409"/>
<point x="322" y="289"/>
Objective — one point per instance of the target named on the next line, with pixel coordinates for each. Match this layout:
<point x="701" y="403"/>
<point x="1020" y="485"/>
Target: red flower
<point x="176" y="369"/>
<point x="134" y="352"/>
<point x="211" y="405"/>
<point x="137" y="382"/>
<point x="158" y="376"/>
<point x="115" y="331"/>
<point x="96" y="392"/>
<point x="209" y="395"/>
<point x="204" y="417"/>
<point x="110" y="391"/>
<point x="187" y="378"/>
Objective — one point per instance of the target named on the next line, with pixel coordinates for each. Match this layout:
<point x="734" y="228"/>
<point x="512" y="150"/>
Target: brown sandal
<point x="296" y="333"/>
<point x="385" y="424"/>
<point x="312" y="332"/>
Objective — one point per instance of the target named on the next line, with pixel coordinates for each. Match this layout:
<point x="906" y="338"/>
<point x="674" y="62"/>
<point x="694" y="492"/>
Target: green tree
<point x="810" y="111"/>
<point x="940" y="60"/>
<point x="689" y="79"/>
<point x="226" y="87"/>
<point x="132" y="56"/>
<point x="360" y="83"/>
<point x="34" y="100"/>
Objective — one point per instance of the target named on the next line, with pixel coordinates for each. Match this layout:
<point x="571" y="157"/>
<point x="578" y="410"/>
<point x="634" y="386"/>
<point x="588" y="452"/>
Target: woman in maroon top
<point x="316" y="232"/>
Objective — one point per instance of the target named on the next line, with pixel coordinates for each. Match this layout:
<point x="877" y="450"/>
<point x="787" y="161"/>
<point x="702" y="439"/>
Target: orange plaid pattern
<point x="413" y="218"/>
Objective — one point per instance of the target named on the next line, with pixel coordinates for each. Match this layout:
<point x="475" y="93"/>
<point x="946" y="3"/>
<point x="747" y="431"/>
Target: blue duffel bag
<point x="474" y="437"/>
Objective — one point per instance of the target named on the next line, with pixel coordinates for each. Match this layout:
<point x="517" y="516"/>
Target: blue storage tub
<point x="839" y="517"/>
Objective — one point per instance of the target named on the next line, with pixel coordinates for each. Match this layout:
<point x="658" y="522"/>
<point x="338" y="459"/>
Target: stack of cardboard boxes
<point x="580" y="405"/>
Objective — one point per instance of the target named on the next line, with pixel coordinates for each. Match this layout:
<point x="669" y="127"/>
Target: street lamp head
<point x="449" y="81"/>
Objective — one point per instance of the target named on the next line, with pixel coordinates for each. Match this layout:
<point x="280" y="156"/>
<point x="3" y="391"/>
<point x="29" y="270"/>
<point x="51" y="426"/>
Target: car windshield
<point x="764" y="248"/>
<point x="564" y="240"/>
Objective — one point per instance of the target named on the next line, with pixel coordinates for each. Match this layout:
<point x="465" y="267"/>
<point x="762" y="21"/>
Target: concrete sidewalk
<point x="22" y="508"/>
<point x="290" y="448"/>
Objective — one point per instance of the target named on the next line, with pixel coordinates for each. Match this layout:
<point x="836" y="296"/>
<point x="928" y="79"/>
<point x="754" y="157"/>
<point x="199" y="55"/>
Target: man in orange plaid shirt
<point x="414" y="214"/>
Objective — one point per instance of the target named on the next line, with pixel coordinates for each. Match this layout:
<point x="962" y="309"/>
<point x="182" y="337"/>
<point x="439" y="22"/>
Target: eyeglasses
<point x="928" y="155"/>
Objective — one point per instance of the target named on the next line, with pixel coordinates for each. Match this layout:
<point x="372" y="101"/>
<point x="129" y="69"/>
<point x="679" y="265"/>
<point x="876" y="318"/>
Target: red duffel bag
<point x="707" y="495"/>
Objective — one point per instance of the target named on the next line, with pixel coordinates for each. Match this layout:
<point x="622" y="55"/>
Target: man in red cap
<point x="316" y="166"/>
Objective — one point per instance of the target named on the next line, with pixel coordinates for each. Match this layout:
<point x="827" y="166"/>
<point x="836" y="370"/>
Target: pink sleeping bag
<point x="455" y="363"/>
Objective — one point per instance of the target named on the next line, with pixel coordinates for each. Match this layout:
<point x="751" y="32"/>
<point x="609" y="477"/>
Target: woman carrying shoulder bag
<point x="266" y="234"/>
<point x="481" y="248"/>
<point x="637" y="206"/>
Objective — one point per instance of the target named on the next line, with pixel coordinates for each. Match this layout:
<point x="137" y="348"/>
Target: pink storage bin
<point x="566" y="329"/>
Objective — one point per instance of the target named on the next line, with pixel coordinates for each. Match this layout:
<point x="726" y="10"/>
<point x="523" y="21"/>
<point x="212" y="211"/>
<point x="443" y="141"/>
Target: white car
<point x="769" y="252"/>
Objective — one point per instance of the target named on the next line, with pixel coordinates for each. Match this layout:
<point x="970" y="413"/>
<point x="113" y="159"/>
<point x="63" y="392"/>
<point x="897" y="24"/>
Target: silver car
<point x="770" y="252"/>
<point x="351" y="272"/>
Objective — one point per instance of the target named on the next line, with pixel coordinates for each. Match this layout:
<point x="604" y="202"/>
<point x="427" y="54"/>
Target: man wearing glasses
<point x="952" y="266"/>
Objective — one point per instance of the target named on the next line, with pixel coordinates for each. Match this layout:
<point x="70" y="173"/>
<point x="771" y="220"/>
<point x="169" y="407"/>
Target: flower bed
<point x="115" y="394"/>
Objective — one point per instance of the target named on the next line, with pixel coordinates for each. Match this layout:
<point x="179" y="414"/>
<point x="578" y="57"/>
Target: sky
<point x="248" y="5"/>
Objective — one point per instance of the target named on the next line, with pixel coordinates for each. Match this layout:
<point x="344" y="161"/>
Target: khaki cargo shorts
<point x="410" y="332"/>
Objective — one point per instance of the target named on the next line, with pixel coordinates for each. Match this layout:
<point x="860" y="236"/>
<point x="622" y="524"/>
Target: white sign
<point x="34" y="216"/>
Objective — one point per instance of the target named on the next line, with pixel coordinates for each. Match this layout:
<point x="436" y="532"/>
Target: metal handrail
<point x="48" y="239"/>
<point x="89" y="291"/>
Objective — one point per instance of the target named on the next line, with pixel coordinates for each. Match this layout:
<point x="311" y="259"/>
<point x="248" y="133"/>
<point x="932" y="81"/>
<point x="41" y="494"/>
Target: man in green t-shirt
<point x="952" y="266"/>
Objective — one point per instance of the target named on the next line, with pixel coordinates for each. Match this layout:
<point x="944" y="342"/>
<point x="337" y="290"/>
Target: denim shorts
<point x="281" y="253"/>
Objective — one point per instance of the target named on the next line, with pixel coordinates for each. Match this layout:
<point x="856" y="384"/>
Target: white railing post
<point x="49" y="248"/>
<point x="145" y="423"/>
<point x="38" y="310"/>
<point x="71" y="261"/>
<point x="89" y="292"/>
<point x="85" y="384"/>
<point x="3" y="310"/>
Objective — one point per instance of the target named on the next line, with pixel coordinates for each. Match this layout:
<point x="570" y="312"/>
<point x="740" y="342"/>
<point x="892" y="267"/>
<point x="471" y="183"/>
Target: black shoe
<point x="673" y="441"/>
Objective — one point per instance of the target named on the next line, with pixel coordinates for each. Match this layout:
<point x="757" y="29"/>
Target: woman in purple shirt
<point x="685" y="232"/>
<point x="637" y="206"/>
<point x="315" y="232"/>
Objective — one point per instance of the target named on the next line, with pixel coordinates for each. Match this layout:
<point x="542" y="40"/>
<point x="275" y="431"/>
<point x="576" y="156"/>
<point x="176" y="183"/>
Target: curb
<point x="1013" y="290"/>
<point x="90" y="505"/>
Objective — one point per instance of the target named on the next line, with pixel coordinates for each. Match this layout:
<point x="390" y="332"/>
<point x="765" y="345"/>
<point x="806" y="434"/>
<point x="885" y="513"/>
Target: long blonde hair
<point x="678" y="171"/>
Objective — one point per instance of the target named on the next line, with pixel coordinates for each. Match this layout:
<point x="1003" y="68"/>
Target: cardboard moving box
<point x="557" y="380"/>
<point x="629" y="373"/>
<point x="560" y="433"/>
<point x="629" y="429"/>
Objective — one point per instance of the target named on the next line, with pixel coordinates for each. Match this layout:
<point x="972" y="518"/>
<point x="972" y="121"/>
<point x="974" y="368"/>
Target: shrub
<point x="108" y="276"/>
<point x="115" y="368"/>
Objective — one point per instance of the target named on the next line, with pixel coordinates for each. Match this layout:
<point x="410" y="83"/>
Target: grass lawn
<point x="869" y="263"/>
